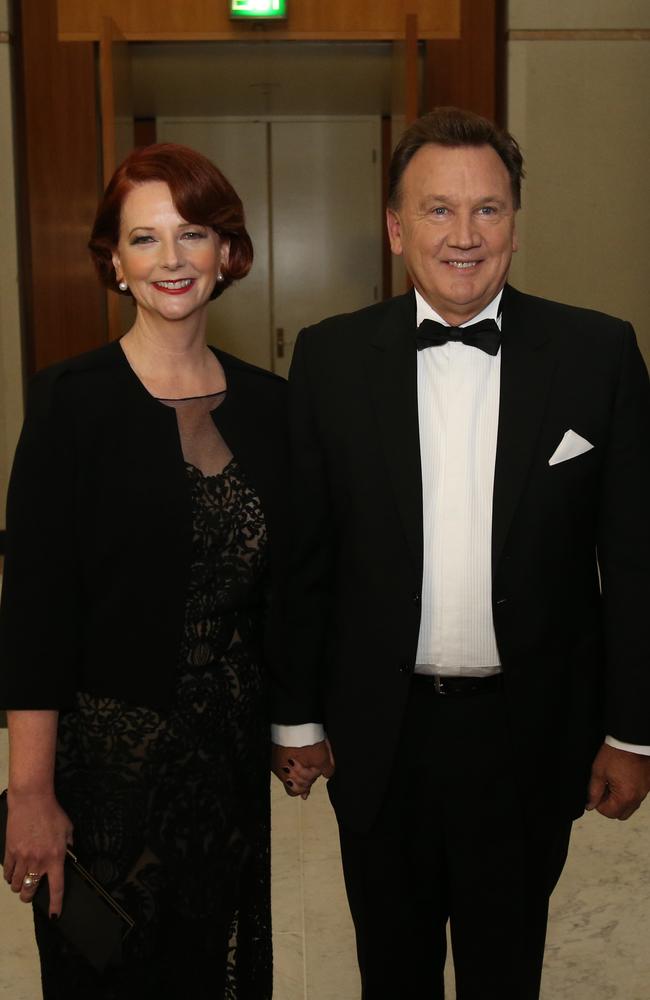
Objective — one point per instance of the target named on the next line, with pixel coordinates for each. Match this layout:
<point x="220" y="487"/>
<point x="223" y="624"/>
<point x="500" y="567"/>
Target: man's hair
<point x="455" y="127"/>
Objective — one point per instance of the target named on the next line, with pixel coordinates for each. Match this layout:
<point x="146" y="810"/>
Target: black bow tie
<point x="485" y="335"/>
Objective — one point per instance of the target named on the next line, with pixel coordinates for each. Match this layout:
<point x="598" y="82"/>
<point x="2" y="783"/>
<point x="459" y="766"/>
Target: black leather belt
<point x="459" y="687"/>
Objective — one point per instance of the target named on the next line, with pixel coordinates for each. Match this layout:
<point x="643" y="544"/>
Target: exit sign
<point x="261" y="9"/>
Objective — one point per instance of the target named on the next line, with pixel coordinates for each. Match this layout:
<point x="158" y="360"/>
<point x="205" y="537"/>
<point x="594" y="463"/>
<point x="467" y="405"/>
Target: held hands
<point x="299" y="767"/>
<point x="620" y="780"/>
<point x="38" y="832"/>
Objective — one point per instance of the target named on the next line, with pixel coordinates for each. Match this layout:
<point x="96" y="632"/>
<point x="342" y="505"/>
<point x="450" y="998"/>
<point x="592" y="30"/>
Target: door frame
<point x="56" y="80"/>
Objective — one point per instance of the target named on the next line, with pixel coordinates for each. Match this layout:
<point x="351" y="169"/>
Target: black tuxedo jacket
<point x="570" y="543"/>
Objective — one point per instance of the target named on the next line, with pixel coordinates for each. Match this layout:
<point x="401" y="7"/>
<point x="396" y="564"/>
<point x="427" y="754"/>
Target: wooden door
<point x="311" y="190"/>
<point x="326" y="197"/>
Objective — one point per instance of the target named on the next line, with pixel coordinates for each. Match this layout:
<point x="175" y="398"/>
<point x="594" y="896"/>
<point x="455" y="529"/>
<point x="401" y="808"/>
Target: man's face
<point x="455" y="226"/>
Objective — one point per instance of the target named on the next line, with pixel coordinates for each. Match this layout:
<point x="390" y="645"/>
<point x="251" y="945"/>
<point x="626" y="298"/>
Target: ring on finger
<point x="31" y="880"/>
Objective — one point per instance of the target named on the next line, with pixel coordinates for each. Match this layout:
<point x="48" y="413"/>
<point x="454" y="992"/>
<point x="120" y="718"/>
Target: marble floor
<point x="598" y="936"/>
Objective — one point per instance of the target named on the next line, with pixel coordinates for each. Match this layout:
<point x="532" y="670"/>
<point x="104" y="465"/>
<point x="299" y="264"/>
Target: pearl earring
<point x="122" y="285"/>
<point x="220" y="276"/>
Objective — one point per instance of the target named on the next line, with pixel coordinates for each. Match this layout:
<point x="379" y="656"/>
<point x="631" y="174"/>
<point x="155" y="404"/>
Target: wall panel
<point x="578" y="15"/>
<point x="466" y="72"/>
<point x="58" y="150"/>
<point x="11" y="367"/>
<point x="580" y="112"/>
<point x="308" y="19"/>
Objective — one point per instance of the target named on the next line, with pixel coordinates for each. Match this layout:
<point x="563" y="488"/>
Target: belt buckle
<point x="439" y="684"/>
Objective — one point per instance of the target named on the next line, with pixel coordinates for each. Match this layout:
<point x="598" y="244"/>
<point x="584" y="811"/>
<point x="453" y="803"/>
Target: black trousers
<point x="452" y="843"/>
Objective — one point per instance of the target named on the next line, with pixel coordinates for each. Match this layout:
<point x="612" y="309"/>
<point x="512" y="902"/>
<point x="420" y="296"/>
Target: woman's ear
<point x="225" y="251"/>
<point x="115" y="257"/>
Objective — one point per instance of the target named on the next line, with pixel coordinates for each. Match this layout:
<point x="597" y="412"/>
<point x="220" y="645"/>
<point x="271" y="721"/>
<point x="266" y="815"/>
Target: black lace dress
<point x="171" y="811"/>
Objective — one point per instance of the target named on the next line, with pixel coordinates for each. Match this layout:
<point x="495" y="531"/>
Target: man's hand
<point x="299" y="767"/>
<point x="620" y="780"/>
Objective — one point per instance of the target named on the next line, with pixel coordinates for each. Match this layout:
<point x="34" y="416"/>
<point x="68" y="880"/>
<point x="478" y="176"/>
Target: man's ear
<point x="394" y="227"/>
<point x="515" y="241"/>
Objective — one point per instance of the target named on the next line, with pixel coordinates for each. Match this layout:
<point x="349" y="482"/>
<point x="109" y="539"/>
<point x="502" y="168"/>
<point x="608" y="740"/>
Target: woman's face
<point x="170" y="265"/>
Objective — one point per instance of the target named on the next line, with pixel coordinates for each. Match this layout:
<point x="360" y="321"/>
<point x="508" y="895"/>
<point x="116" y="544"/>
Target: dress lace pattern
<point x="171" y="810"/>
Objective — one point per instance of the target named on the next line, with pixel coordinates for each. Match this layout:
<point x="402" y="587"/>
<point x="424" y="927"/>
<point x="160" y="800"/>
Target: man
<point x="470" y="583"/>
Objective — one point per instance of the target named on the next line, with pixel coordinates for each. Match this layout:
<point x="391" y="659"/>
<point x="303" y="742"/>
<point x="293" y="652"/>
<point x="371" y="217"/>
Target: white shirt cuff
<point x="630" y="747"/>
<point x="299" y="736"/>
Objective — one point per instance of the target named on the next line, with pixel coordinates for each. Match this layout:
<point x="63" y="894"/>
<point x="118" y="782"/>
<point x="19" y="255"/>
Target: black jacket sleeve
<point x="624" y="550"/>
<point x="308" y="594"/>
<point x="40" y="613"/>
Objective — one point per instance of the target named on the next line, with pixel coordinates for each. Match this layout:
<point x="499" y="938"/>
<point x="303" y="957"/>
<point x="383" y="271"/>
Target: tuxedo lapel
<point x="528" y="363"/>
<point x="392" y="374"/>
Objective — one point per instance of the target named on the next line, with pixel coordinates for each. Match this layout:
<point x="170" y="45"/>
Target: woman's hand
<point x="299" y="767"/>
<point x="38" y="833"/>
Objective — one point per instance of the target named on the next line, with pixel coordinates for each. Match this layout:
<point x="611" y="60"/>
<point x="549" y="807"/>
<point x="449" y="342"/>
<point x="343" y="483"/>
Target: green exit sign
<point x="260" y="9"/>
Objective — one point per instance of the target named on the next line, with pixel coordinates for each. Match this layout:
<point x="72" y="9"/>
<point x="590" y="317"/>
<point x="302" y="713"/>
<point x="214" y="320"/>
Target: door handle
<point x="280" y="343"/>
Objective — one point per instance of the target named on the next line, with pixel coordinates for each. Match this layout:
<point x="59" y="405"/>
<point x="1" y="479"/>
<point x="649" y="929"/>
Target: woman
<point x="143" y="523"/>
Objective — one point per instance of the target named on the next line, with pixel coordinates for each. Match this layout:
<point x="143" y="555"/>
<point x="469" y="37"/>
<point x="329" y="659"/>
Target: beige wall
<point x="11" y="385"/>
<point x="580" y="111"/>
<point x="582" y="14"/>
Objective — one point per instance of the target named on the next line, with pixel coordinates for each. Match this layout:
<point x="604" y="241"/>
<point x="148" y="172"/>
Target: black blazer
<point x="99" y="527"/>
<point x="576" y="660"/>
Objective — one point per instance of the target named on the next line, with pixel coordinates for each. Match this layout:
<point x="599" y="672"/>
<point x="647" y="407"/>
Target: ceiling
<point x="264" y="78"/>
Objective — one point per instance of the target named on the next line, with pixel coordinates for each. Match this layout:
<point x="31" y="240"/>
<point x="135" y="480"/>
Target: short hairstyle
<point x="455" y="127"/>
<point x="201" y="195"/>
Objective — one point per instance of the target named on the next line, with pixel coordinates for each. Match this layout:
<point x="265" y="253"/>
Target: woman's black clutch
<point x="91" y="920"/>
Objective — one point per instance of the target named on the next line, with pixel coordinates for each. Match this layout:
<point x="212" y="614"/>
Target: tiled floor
<point x="598" y="937"/>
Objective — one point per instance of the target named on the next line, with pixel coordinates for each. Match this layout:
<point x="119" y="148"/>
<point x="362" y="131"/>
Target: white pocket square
<point x="570" y="446"/>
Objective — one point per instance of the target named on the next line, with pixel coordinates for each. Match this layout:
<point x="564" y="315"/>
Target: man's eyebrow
<point x="447" y="200"/>
<point x="433" y="199"/>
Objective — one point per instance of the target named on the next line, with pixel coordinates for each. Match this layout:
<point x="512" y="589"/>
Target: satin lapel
<point x="392" y="374"/>
<point x="528" y="361"/>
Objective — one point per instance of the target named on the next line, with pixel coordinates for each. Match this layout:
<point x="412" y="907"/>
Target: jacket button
<point x="405" y="668"/>
<point x="416" y="598"/>
<point x="502" y="600"/>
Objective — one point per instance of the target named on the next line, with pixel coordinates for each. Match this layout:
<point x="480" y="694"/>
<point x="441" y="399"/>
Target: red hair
<point x="201" y="195"/>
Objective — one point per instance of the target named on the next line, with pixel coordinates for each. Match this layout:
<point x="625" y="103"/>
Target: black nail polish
<point x="291" y="762"/>
<point x="290" y="784"/>
<point x="54" y="916"/>
<point x="286" y="770"/>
